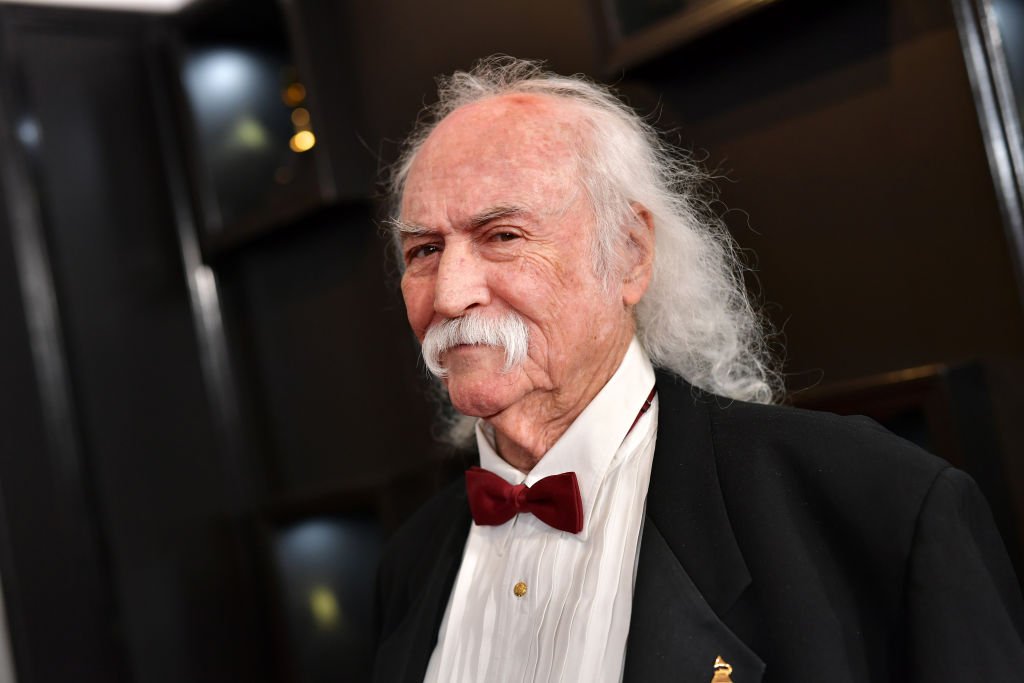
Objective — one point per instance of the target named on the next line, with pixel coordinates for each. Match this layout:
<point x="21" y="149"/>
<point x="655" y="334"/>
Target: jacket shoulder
<point x="786" y="437"/>
<point x="840" y="481"/>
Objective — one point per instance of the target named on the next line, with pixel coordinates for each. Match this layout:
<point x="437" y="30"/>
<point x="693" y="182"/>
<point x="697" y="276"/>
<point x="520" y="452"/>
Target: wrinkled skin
<point x="496" y="218"/>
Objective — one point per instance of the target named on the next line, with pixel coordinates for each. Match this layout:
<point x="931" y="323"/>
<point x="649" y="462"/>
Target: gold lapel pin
<point x="722" y="671"/>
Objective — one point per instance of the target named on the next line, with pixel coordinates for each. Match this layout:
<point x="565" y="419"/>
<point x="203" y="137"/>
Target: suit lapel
<point x="691" y="570"/>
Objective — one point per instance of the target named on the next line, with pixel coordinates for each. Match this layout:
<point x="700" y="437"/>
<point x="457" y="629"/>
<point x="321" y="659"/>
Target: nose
<point x="461" y="282"/>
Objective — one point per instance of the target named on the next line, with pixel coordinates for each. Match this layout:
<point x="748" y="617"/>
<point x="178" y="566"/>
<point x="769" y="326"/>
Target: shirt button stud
<point x="519" y="590"/>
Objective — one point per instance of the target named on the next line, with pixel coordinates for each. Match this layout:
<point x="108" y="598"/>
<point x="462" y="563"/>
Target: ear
<point x="639" y="258"/>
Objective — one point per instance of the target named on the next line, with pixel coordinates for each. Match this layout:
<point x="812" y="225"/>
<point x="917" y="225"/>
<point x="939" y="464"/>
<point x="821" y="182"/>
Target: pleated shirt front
<point x="534" y="604"/>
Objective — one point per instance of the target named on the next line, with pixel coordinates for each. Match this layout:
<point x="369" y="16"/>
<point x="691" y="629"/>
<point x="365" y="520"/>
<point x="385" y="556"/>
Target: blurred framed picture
<point x="637" y="30"/>
<point x="322" y="570"/>
<point x="249" y="121"/>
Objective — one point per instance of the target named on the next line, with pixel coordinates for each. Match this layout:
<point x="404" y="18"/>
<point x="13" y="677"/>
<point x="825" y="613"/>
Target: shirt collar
<point x="590" y="443"/>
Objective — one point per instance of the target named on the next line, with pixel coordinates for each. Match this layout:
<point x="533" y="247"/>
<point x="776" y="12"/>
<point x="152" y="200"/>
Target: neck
<point x="525" y="432"/>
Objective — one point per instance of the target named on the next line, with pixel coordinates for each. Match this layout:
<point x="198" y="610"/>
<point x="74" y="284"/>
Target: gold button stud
<point x="519" y="590"/>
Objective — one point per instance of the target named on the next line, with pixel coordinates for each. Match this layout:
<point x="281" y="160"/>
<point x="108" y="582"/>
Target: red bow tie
<point x="554" y="500"/>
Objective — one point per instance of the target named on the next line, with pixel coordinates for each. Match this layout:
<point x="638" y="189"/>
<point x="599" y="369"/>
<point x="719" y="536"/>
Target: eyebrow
<point x="475" y="222"/>
<point x="407" y="230"/>
<point x="495" y="213"/>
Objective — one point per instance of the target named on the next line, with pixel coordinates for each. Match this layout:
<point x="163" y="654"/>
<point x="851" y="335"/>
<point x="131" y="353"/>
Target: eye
<point x="504" y="236"/>
<point x="422" y="251"/>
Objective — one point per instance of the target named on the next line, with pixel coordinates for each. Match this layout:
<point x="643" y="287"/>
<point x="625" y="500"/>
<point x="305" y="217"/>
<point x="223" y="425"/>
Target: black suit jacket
<point x="799" y="546"/>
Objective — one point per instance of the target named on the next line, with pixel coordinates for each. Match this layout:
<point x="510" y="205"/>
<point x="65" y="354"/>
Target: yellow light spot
<point x="300" y="117"/>
<point x="248" y="132"/>
<point x="324" y="607"/>
<point x="294" y="94"/>
<point x="302" y="141"/>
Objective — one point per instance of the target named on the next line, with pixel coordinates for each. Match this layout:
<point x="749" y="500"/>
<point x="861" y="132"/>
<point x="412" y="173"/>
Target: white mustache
<point x="507" y="331"/>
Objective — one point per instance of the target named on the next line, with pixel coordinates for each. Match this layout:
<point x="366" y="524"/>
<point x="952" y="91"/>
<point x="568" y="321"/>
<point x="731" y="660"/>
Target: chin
<point x="483" y="394"/>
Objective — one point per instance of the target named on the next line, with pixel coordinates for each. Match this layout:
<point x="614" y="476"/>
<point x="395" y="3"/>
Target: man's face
<point x="502" y="224"/>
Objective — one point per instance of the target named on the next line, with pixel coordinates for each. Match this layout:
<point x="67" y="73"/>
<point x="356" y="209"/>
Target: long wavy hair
<point x="696" y="319"/>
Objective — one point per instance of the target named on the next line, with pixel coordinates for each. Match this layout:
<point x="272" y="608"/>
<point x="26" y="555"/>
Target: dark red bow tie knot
<point x="554" y="500"/>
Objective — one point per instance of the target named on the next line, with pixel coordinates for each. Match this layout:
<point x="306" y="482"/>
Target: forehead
<point x="513" y="149"/>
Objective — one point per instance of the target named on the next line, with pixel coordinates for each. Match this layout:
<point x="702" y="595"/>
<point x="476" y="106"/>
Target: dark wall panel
<point x="855" y="165"/>
<point x="56" y="592"/>
<point x="172" y="546"/>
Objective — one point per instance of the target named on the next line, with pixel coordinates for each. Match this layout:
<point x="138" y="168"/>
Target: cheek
<point x="539" y="278"/>
<point x="419" y="308"/>
<point x="568" y="303"/>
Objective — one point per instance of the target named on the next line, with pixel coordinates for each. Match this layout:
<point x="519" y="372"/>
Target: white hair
<point x="695" y="319"/>
<point x="507" y="331"/>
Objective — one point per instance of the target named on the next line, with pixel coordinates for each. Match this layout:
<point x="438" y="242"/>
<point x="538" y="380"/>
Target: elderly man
<point x="640" y="511"/>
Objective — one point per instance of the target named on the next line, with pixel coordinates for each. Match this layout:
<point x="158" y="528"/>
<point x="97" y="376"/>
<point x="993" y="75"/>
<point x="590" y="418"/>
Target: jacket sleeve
<point x="964" y="606"/>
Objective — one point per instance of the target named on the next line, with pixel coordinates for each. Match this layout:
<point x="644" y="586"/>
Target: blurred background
<point x="213" y="412"/>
